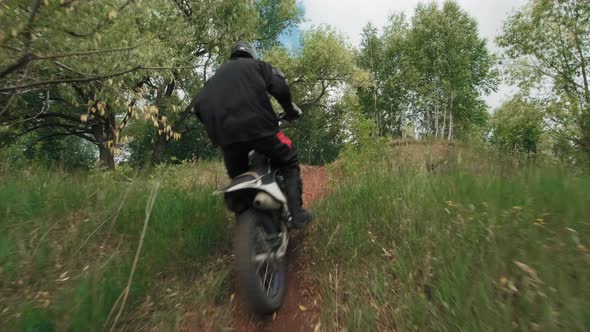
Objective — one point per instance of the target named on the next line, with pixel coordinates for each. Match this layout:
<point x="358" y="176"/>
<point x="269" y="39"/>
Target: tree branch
<point x="99" y="26"/>
<point x="67" y="80"/>
<point x="87" y="79"/>
<point x="70" y="131"/>
<point x="317" y="98"/>
<point x="59" y="64"/>
<point x="44" y="125"/>
<point x="185" y="114"/>
<point x="25" y="58"/>
<point x="127" y="116"/>
<point x="21" y="62"/>
<point x="43" y="109"/>
<point x="184" y="7"/>
<point x="5" y="108"/>
<point x="66" y="3"/>
<point x="58" y="115"/>
<point x="81" y="135"/>
<point x="83" y="53"/>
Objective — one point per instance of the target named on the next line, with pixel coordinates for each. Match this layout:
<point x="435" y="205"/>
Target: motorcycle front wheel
<point x="261" y="274"/>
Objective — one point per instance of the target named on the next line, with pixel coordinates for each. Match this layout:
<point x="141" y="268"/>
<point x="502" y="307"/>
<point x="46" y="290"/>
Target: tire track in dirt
<point x="300" y="311"/>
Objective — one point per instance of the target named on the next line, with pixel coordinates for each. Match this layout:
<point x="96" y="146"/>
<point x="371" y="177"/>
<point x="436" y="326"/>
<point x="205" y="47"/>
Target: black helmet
<point x="243" y="50"/>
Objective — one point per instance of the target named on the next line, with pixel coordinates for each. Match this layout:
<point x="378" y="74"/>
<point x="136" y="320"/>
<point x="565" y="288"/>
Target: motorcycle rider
<point x="236" y="110"/>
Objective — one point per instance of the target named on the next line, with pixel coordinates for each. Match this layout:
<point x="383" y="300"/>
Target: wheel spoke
<point x="262" y="239"/>
<point x="261" y="252"/>
<point x="270" y="282"/>
<point x="261" y="258"/>
<point x="265" y="275"/>
<point x="266" y="264"/>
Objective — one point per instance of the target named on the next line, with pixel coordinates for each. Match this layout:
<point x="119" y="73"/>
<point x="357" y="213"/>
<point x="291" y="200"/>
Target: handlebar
<point x="282" y="115"/>
<point x="298" y="110"/>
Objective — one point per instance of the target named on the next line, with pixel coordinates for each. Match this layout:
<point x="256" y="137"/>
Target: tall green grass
<point x="67" y="244"/>
<point x="438" y="238"/>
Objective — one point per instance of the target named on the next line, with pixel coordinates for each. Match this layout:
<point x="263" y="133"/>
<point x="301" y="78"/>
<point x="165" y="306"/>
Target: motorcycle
<point x="258" y="199"/>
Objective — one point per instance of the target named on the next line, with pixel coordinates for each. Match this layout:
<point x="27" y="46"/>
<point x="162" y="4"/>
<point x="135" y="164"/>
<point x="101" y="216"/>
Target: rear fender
<point x="273" y="190"/>
<point x="240" y="194"/>
<point x="251" y="184"/>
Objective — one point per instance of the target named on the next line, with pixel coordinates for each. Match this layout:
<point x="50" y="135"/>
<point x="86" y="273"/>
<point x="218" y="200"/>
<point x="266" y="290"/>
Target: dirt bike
<point x="258" y="199"/>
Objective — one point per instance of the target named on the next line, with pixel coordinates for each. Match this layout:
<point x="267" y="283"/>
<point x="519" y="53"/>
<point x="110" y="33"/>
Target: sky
<point x="350" y="16"/>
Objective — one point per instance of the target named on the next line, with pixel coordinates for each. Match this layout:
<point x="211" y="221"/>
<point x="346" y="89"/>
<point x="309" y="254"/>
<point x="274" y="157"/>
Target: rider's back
<point x="234" y="104"/>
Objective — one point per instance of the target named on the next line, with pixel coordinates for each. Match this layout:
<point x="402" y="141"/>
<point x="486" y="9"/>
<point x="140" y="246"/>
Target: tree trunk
<point x="106" y="157"/>
<point x="582" y="67"/>
<point x="161" y="141"/>
<point x="436" y="121"/>
<point x="402" y="126"/>
<point x="450" y="137"/>
<point x="429" y="123"/>
<point x="444" y="125"/>
<point x="450" y="118"/>
<point x="159" y="149"/>
<point x="377" y="117"/>
<point x="584" y="141"/>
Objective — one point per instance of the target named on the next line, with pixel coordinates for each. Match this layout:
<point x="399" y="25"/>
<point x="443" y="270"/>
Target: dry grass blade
<point x="332" y="237"/>
<point x="530" y="271"/>
<point x="112" y="256"/>
<point x="43" y="237"/>
<point x="114" y="220"/>
<point x="106" y="322"/>
<point x="148" y="212"/>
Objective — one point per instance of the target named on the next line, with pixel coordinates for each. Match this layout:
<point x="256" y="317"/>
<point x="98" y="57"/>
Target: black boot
<point x="300" y="217"/>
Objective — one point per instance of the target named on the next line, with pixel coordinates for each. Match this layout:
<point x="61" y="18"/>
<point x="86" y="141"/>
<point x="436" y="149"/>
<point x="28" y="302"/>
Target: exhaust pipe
<point x="264" y="201"/>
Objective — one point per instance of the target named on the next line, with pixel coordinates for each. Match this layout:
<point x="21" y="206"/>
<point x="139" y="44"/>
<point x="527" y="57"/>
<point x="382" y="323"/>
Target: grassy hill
<point x="435" y="237"/>
<point x="411" y="237"/>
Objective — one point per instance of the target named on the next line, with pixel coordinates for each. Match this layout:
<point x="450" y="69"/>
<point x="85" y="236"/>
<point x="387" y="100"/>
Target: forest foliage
<point x="109" y="80"/>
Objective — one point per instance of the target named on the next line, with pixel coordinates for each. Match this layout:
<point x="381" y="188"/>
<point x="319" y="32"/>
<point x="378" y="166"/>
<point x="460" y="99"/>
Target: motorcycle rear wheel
<point x="261" y="274"/>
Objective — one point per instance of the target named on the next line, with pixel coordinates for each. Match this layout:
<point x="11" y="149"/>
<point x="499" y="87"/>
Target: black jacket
<point x="234" y="104"/>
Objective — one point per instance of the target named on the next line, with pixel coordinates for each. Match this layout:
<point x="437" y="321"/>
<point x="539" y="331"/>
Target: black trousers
<point x="282" y="155"/>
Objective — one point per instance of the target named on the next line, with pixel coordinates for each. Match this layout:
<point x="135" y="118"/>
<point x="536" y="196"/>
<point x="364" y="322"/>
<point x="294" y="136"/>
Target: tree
<point x="372" y="58"/>
<point x="318" y="74"/>
<point x="548" y="44"/>
<point x="453" y="68"/>
<point x="88" y="68"/>
<point x="431" y="71"/>
<point x="517" y="126"/>
<point x="192" y="145"/>
<point x="79" y="67"/>
<point x="69" y="153"/>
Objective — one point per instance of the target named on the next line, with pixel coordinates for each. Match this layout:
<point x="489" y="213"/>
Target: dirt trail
<point x="300" y="311"/>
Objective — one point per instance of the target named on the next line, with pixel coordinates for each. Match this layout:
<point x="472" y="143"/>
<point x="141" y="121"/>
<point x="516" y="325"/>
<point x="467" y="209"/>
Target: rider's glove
<point x="294" y="114"/>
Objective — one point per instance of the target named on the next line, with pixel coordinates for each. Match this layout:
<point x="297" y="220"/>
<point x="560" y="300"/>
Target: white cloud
<point x="350" y="16"/>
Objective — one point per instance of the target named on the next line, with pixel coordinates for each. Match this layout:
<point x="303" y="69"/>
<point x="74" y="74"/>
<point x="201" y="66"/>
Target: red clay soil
<point x="300" y="311"/>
